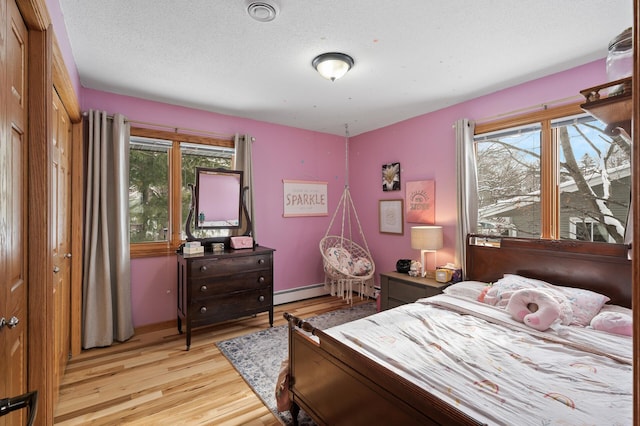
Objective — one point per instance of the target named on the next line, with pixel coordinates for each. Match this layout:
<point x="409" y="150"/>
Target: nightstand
<point x="398" y="289"/>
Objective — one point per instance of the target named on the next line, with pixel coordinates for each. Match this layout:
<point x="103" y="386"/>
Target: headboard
<point x="600" y="267"/>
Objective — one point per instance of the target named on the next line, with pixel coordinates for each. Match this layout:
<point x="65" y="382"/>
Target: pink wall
<point x="425" y="148"/>
<point x="279" y="152"/>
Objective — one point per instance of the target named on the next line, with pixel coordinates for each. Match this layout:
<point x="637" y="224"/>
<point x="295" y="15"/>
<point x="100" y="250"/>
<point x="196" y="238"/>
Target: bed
<point x="365" y="372"/>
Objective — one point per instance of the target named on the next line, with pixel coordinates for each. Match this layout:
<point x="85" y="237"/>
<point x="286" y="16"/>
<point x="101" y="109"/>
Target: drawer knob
<point x="203" y="310"/>
<point x="261" y="298"/>
<point x="261" y="279"/>
<point x="203" y="268"/>
<point x="260" y="261"/>
<point x="203" y="288"/>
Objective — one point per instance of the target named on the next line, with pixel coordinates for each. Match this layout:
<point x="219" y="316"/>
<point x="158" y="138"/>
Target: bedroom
<point x="365" y="165"/>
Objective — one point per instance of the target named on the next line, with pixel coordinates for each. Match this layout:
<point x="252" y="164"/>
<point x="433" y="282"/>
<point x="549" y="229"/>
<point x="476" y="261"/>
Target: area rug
<point x="257" y="356"/>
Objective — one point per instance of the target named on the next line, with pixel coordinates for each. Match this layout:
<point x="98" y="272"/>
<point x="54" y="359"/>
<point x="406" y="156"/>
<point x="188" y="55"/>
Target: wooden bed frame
<point x="336" y="385"/>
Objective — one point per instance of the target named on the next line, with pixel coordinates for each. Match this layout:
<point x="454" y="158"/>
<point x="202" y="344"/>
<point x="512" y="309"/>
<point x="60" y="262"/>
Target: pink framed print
<point x="421" y="202"/>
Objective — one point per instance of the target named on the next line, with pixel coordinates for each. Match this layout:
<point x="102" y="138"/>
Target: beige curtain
<point x="467" y="185"/>
<point x="244" y="162"/>
<point x="106" y="308"/>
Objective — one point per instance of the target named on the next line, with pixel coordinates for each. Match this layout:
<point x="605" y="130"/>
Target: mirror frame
<point x="204" y="171"/>
<point x="248" y="228"/>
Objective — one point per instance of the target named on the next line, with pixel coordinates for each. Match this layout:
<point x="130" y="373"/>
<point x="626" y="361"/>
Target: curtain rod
<point x="174" y="128"/>
<point x="531" y="108"/>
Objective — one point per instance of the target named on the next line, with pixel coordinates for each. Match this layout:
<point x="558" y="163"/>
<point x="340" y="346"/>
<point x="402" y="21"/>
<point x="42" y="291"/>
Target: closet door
<point x="61" y="237"/>
<point x="13" y="207"/>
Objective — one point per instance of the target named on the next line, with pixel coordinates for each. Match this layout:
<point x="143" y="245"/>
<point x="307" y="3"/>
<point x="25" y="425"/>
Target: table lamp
<point x="426" y="238"/>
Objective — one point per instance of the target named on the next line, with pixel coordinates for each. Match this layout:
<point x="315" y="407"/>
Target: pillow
<point x="534" y="307"/>
<point x="617" y="308"/>
<point x="503" y="289"/>
<point x="469" y="289"/>
<point x="613" y="322"/>
<point x="539" y="308"/>
<point x="340" y="259"/>
<point x="362" y="266"/>
<point x="586" y="304"/>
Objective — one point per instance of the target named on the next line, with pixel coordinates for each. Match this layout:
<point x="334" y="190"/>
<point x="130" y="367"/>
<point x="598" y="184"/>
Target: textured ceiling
<point x="411" y="56"/>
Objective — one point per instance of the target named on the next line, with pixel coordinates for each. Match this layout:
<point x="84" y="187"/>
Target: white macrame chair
<point x="348" y="266"/>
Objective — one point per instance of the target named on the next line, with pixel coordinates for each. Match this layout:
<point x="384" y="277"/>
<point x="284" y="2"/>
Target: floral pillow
<point x="340" y="259"/>
<point x="362" y="266"/>
<point x="585" y="304"/>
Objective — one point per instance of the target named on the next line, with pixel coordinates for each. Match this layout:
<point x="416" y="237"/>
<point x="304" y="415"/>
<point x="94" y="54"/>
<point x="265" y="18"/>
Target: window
<point x="161" y="167"/>
<point x="555" y="174"/>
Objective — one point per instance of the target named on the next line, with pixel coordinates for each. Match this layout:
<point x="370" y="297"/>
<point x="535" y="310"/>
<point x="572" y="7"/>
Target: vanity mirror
<point x="217" y="202"/>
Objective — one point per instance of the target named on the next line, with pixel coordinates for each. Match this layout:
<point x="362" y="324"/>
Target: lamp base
<point x="426" y="272"/>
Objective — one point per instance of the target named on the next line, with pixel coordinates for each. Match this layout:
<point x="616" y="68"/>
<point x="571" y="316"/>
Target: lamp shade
<point x="332" y="65"/>
<point x="426" y="237"/>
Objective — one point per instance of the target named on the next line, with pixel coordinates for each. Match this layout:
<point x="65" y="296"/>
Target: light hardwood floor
<point x="152" y="380"/>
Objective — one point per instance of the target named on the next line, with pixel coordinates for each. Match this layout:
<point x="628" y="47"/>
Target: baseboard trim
<point x="299" y="293"/>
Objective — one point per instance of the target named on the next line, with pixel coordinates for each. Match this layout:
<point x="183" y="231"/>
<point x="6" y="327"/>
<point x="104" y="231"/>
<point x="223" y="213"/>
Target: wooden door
<point x="13" y="207"/>
<point x="61" y="237"/>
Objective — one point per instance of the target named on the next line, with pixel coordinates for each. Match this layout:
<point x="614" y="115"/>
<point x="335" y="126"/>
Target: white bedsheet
<point x="500" y="372"/>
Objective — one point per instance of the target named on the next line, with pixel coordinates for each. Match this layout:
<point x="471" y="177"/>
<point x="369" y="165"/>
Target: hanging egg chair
<point x="348" y="266"/>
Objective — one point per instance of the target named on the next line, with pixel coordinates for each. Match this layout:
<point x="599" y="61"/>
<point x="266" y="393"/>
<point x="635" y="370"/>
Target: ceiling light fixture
<point x="332" y="65"/>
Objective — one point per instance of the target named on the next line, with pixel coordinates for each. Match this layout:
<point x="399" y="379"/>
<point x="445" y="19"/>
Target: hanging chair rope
<point x="339" y="277"/>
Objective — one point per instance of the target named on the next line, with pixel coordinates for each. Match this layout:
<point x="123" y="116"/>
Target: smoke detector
<point x="262" y="11"/>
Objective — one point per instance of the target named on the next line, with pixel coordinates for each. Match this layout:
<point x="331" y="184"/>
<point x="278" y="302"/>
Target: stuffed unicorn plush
<point x="539" y="308"/>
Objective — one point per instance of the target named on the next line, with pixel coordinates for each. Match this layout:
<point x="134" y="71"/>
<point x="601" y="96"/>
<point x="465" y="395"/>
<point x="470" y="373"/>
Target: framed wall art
<point x="391" y="177"/>
<point x="304" y="198"/>
<point x="421" y="201"/>
<point x="390" y="217"/>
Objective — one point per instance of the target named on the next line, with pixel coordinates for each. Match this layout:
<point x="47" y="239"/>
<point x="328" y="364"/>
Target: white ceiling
<point x="411" y="56"/>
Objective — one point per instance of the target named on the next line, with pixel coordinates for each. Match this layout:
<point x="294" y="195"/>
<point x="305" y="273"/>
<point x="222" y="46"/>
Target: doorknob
<point x="67" y="256"/>
<point x="56" y="269"/>
<point x="13" y="322"/>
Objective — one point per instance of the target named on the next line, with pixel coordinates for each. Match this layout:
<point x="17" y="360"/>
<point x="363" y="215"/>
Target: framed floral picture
<point x="391" y="177"/>
<point x="421" y="201"/>
<point x="390" y="217"/>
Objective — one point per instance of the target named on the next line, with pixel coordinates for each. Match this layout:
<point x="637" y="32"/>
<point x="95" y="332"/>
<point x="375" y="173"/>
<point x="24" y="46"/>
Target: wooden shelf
<point x="611" y="104"/>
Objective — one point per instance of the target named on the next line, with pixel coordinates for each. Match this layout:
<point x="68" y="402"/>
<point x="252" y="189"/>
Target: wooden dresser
<point x="214" y="287"/>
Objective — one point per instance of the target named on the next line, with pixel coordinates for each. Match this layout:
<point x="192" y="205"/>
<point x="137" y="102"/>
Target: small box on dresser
<point x="215" y="287"/>
<point x="398" y="289"/>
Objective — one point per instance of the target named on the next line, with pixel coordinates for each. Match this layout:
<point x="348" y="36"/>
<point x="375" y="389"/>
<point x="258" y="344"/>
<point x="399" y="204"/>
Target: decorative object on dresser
<point x="215" y="287"/>
<point x="397" y="289"/>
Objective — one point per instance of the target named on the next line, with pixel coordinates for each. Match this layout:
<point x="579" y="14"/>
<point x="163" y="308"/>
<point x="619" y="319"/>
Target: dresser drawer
<point x="224" y="306"/>
<point x="211" y="286"/>
<point x="217" y="266"/>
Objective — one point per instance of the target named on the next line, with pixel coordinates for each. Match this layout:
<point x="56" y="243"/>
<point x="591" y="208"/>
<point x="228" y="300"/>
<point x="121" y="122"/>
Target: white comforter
<point x="498" y="370"/>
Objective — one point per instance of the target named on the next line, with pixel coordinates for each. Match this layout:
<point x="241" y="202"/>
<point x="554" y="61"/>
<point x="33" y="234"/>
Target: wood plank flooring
<point x="152" y="380"/>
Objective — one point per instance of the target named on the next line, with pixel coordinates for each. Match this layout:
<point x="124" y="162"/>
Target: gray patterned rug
<point x="257" y="356"/>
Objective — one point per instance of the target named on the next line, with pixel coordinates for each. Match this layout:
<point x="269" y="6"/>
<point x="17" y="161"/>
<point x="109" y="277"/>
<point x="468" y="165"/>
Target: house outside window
<point x="160" y="172"/>
<point x="558" y="176"/>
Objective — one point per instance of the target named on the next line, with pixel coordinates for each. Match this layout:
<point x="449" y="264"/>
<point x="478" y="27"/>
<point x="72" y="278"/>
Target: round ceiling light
<point x="262" y="11"/>
<point x="332" y="65"/>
